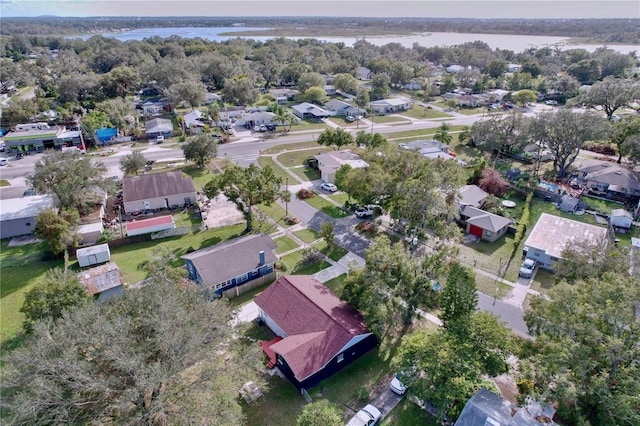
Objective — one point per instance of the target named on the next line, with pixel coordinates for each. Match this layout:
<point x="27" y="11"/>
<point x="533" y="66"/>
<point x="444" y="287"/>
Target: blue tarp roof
<point x="106" y="134"/>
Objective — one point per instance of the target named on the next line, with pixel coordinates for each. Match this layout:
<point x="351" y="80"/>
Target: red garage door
<point x="475" y="230"/>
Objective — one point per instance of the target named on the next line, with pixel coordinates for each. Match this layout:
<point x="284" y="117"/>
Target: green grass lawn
<point x="285" y="244"/>
<point x="297" y="157"/>
<point x="340" y="197"/>
<point x="294" y="266"/>
<point x="277" y="170"/>
<point x="306" y="173"/>
<point x="471" y="111"/>
<point x="336" y="284"/>
<point x="380" y="119"/>
<point x="4" y="182"/>
<point x="307" y="235"/>
<point x="290" y="147"/>
<point x="335" y="252"/>
<point x="425" y="113"/>
<point x="21" y="268"/>
<point x="327" y="207"/>
<point x="200" y="176"/>
<point x="408" y="413"/>
<point x="426" y="133"/>
<point x="308" y="125"/>
<point x="275" y="212"/>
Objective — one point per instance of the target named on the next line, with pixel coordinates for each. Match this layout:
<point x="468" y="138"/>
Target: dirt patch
<point x="221" y="212"/>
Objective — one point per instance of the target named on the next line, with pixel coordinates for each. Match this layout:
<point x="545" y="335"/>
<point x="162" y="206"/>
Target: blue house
<point x="235" y="266"/>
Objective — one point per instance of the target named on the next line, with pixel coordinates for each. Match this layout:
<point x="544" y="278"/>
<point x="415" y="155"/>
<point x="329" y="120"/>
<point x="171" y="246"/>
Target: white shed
<point x="93" y="255"/>
<point x="90" y="232"/>
<point x="620" y="218"/>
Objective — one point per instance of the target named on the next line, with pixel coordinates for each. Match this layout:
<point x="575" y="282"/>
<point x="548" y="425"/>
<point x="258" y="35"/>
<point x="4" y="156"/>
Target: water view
<point x="516" y="43"/>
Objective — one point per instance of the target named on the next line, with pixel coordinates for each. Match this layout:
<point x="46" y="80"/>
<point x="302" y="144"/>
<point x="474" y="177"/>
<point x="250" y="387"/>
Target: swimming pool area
<point x="548" y="186"/>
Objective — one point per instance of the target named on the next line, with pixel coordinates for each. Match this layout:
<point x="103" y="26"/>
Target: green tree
<point x="335" y="138"/>
<point x="525" y="96"/>
<point x="120" y="112"/>
<point x="458" y="300"/>
<point x="320" y="413"/>
<point x="162" y="265"/>
<point x="246" y="187"/>
<point x="581" y="260"/>
<point x="346" y="83"/>
<point x="71" y="176"/>
<point x="587" y="362"/>
<point x="201" y="149"/>
<point x="118" y="82"/>
<point x="316" y="95"/>
<point x="190" y="92"/>
<point x="59" y="292"/>
<point x="443" y="135"/>
<point x="130" y="164"/>
<point x="624" y="133"/>
<point x="57" y="229"/>
<point x="240" y="90"/>
<point x="327" y="234"/>
<point x="309" y="80"/>
<point x="143" y="359"/>
<point x="609" y="95"/>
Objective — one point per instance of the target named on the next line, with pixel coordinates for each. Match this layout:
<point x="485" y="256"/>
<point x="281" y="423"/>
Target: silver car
<point x="526" y="270"/>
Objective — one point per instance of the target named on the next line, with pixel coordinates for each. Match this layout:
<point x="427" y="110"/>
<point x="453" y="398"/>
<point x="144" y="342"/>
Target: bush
<point x="311" y="256"/>
<point x="290" y="220"/>
<point x="304" y="194"/>
<point x="523" y="223"/>
<point x="366" y="227"/>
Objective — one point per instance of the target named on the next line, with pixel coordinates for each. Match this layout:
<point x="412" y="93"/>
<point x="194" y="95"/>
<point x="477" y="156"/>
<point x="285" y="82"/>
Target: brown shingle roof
<point x="155" y="185"/>
<point x="317" y="323"/>
<point x="101" y="278"/>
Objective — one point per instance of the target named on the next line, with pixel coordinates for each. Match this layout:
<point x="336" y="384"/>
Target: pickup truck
<point x="368" y="416"/>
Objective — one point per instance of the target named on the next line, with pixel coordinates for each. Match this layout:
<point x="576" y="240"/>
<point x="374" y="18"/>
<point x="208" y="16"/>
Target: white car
<point x="159" y="139"/>
<point x="397" y="386"/>
<point x="368" y="416"/>
<point x="329" y="187"/>
<point x="363" y="212"/>
<point x="256" y="128"/>
<point x="403" y="146"/>
<point x="4" y="162"/>
<point x="526" y="270"/>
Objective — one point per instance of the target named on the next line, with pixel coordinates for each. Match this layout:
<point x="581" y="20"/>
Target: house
<point x="231" y="268"/>
<point x="153" y="106"/>
<point x="533" y="152"/>
<point x="149" y="226"/>
<point x="103" y="282"/>
<point x="18" y="215"/>
<point x="40" y="136"/>
<point x="390" y="106"/>
<point x="157" y="191"/>
<point x="193" y="122"/>
<point x="257" y="118"/>
<point x="93" y="255"/>
<point x="412" y="85"/>
<point x="485" y="408"/>
<point x="330" y="162"/>
<point x="317" y="333"/>
<point x="496" y="95"/>
<point x="306" y="110"/>
<point x="470" y="101"/>
<point x="569" y="204"/>
<point x="90" y="232"/>
<point x="330" y="90"/>
<point x="158" y="127"/>
<point x="229" y="113"/>
<point x="431" y="148"/>
<point x="551" y="234"/>
<point x="609" y="179"/>
<point x="210" y="98"/>
<point x="284" y="95"/>
<point x="513" y="67"/>
<point x="364" y="73"/>
<point x="620" y="218"/>
<point x="482" y="224"/>
<point x="453" y="69"/>
<point x="471" y="195"/>
<point x="342" y="108"/>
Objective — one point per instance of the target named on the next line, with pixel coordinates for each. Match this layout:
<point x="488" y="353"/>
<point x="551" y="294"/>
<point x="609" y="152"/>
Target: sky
<point x="481" y="9"/>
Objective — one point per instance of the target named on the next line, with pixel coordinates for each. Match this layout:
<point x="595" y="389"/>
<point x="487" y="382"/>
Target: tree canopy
<point x="201" y="149"/>
<point x="130" y="164"/>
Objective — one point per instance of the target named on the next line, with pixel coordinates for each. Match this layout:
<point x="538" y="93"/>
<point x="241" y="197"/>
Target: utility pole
<point x="286" y="203"/>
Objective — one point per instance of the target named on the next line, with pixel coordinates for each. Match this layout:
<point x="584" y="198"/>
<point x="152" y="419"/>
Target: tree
<point x="190" y="92"/>
<point x="131" y="163"/>
<point x="201" y="149"/>
<point x="525" y="96"/>
<point x="625" y="133"/>
<point x="587" y="362"/>
<point x="320" y="413"/>
<point x="310" y="79"/>
<point x="498" y="134"/>
<point x="564" y="133"/>
<point x="442" y="134"/>
<point x="118" y="82"/>
<point x="496" y="68"/>
<point x="336" y="138"/>
<point x="56" y="229"/>
<point x="71" y="176"/>
<point x="346" y="83"/>
<point x="380" y="86"/>
<point x="246" y="187"/>
<point x="120" y="112"/>
<point x="458" y="300"/>
<point x="316" y="95"/>
<point x="59" y="292"/>
<point x="142" y="358"/>
<point x="587" y="71"/>
<point x="370" y="141"/>
<point x="240" y="90"/>
<point x="160" y="266"/>
<point x="580" y="260"/>
<point x="327" y="234"/>
<point x="493" y="183"/>
<point x="610" y="95"/>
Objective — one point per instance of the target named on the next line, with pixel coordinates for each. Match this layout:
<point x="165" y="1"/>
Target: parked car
<point x="551" y="102"/>
<point x="363" y="212"/>
<point x="270" y="127"/>
<point x="368" y="416"/>
<point x="350" y="118"/>
<point x="4" y="162"/>
<point x="256" y="128"/>
<point x="397" y="386"/>
<point x="526" y="270"/>
<point x="159" y="139"/>
<point x="263" y="128"/>
<point x="329" y="187"/>
<point x="29" y="191"/>
<point x="403" y="146"/>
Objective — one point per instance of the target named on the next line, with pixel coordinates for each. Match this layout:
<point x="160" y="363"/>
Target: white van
<point x="159" y="139"/>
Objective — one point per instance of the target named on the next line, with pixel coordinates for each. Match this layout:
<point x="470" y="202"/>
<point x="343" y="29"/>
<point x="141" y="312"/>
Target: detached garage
<point x="93" y="255"/>
<point x="147" y="226"/>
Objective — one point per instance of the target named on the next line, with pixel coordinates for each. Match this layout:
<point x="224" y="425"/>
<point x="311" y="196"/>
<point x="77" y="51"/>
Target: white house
<point x="341" y="108"/>
<point x="389" y="106"/>
<point x="307" y="110"/>
<point x="158" y="127"/>
<point x="364" y="73"/>
<point x="18" y="215"/>
<point x="552" y="234"/>
<point x="157" y="191"/>
<point x="330" y="162"/>
<point x="193" y="122"/>
<point x="620" y="218"/>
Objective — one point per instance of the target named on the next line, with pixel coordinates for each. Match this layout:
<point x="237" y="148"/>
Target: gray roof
<point x="158" y="125"/>
<point x="24" y="207"/>
<point x="552" y="234"/>
<point x="101" y="278"/>
<point x="232" y="258"/>
<point x="335" y="159"/>
<point x="472" y="195"/>
<point x="100" y="248"/>
<point x="308" y="108"/>
<point x="620" y="212"/>
<point x="485" y="408"/>
<point x="485" y="220"/>
<point x="155" y="185"/>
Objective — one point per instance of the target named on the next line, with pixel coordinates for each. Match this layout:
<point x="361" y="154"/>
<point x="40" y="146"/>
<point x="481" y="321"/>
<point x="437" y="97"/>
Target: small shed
<point x="93" y="255"/>
<point x="103" y="282"/>
<point x="90" y="232"/>
<point x="620" y="218"/>
<point x="569" y="204"/>
<point x="148" y="226"/>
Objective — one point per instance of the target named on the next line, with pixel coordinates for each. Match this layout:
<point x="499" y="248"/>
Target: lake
<point x="517" y="43"/>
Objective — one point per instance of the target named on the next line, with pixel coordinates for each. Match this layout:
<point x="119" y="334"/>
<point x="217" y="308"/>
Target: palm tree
<point x="442" y="135"/>
<point x="280" y="113"/>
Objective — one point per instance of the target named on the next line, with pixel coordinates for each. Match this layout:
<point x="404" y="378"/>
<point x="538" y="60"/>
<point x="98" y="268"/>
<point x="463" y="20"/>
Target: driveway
<point x="385" y="400"/>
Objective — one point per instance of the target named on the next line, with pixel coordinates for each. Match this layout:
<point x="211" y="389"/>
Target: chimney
<point x="261" y="255"/>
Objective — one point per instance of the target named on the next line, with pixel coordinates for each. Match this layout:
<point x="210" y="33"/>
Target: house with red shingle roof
<point x="317" y="333"/>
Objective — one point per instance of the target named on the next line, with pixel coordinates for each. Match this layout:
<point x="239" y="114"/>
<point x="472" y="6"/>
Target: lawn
<point x="327" y="207"/>
<point x="425" y="113"/>
<point x="420" y="132"/>
<point x="297" y="157"/>
<point x="471" y="111"/>
<point x="340" y="197"/>
<point x="306" y="173"/>
<point x="21" y="268"/>
<point x="336" y="284"/>
<point x="285" y="244"/>
<point x="408" y="413"/>
<point x="293" y="264"/>
<point x="277" y="170"/>
<point x="379" y="119"/>
<point x="307" y="235"/>
<point x="308" y="125"/>
<point x="491" y="257"/>
<point x="275" y="212"/>
<point x="335" y="252"/>
<point x="4" y="182"/>
<point x="290" y="147"/>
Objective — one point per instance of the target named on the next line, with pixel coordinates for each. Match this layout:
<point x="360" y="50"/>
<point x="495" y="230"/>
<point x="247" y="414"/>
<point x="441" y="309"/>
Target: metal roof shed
<point x="93" y="255"/>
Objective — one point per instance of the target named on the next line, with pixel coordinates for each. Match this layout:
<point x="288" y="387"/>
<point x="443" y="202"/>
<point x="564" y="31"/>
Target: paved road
<point x="507" y="313"/>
